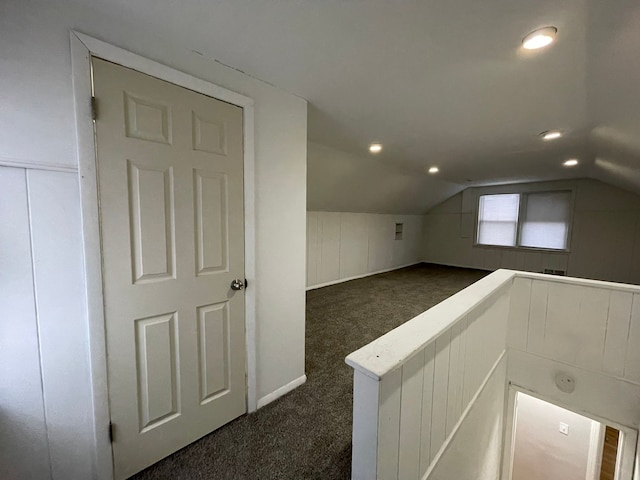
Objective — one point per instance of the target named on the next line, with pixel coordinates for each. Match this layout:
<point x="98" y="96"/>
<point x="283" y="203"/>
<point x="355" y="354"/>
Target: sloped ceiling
<point x="438" y="82"/>
<point x="343" y="182"/>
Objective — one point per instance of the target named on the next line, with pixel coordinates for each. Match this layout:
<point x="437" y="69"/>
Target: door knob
<point x="237" y="284"/>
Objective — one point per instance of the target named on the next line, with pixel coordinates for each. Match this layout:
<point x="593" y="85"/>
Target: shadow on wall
<point x="23" y="444"/>
<point x="552" y="443"/>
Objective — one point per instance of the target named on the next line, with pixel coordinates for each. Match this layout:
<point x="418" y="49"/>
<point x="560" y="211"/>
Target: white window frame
<point x="522" y="210"/>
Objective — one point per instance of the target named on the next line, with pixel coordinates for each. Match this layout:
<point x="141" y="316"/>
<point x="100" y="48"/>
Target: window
<point x="532" y="220"/>
<point x="498" y="219"/>
<point x="546" y="220"/>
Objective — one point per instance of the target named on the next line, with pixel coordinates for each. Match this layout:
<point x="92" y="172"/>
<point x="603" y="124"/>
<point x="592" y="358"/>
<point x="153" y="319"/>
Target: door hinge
<point x="94" y="108"/>
<point x="111" y="432"/>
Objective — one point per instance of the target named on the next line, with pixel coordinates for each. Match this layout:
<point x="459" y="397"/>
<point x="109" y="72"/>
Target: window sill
<point x="523" y="249"/>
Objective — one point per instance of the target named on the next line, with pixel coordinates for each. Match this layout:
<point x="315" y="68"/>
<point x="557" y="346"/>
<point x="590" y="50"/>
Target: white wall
<point x="591" y="325"/>
<point x="540" y="450"/>
<point x="22" y="425"/>
<point x="37" y="127"/>
<point x="476" y="449"/>
<point x="45" y="394"/>
<point x="604" y="243"/>
<point x="344" y="245"/>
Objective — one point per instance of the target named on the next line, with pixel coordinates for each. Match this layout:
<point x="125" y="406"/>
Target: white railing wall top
<point x="396" y="347"/>
<point x="583" y="282"/>
<point x="429" y="389"/>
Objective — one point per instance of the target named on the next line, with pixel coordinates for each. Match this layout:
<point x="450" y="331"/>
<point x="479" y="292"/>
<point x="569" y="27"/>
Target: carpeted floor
<point x="307" y="433"/>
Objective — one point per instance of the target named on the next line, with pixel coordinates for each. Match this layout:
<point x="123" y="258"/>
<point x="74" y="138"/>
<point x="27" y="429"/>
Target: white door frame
<point x="626" y="461"/>
<point x="83" y="48"/>
<point x="596" y="448"/>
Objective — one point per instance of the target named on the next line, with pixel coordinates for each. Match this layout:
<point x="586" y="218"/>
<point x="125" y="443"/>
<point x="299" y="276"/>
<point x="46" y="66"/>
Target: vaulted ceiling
<point x="437" y="82"/>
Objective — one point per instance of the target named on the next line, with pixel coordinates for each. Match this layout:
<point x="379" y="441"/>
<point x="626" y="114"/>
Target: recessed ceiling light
<point x="539" y="38"/>
<point x="433" y="170"/>
<point x="375" y="148"/>
<point x="551" y="135"/>
<point x="571" y="162"/>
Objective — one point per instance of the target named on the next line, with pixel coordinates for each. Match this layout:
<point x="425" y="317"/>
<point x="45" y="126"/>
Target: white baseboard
<point x="355" y="277"/>
<point x="281" y="391"/>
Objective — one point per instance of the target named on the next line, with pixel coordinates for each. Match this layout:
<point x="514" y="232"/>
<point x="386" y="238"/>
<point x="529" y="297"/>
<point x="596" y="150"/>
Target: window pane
<point x="546" y="222"/>
<point x="498" y="219"/>
<point x="497" y="233"/>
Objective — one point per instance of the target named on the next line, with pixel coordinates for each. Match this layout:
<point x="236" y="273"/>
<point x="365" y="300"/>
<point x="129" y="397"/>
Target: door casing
<point x="83" y="47"/>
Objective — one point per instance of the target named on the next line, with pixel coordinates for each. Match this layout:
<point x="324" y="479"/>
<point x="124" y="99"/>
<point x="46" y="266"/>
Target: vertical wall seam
<point x="340" y="245"/>
<point x="433" y="384"/>
<point x="606" y="332"/>
<point x="528" y="314"/>
<point x="377" y="460"/>
<point x="37" y="314"/>
<point x="308" y="250"/>
<point x="446" y="405"/>
<point x="368" y="245"/>
<point x="624" y="363"/>
<point x="633" y="246"/>
<point x="424" y="367"/>
<point x="546" y="313"/>
<point x="463" y="362"/>
<point x="400" y="420"/>
<point x="319" y="230"/>
<point x="449" y="383"/>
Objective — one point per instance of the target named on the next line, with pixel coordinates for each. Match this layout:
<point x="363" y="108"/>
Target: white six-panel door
<point x="170" y="173"/>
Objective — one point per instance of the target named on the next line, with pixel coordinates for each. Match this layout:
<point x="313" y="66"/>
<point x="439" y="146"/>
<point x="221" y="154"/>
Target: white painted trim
<point x="250" y="249"/>
<point x="82" y="48"/>
<point x="636" y="465"/>
<point x="395" y="348"/>
<point x="465" y="414"/>
<point x="365" y="429"/>
<point x="267" y="399"/>
<point x="596" y="446"/>
<point x="509" y="430"/>
<point x="585" y="282"/>
<point x="627" y="457"/>
<point x="81" y="76"/>
<point x="355" y="277"/>
<point x="128" y="59"/>
<point x="34" y="165"/>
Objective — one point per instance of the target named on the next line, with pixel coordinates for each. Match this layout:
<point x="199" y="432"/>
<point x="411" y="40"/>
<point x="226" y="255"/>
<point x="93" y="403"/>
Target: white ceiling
<point x="438" y="82"/>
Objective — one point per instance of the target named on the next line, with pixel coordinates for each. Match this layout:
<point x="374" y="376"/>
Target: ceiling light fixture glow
<point x="433" y="170"/>
<point x="571" y="162"/>
<point x="539" y="38"/>
<point x="375" y="148"/>
<point x="551" y="135"/>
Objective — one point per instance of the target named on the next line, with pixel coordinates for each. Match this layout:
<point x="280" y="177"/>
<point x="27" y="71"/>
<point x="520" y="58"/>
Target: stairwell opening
<point x="553" y="442"/>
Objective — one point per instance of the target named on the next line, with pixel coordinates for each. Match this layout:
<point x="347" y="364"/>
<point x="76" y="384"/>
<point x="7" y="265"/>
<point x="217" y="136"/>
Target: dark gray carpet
<point x="307" y="433"/>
